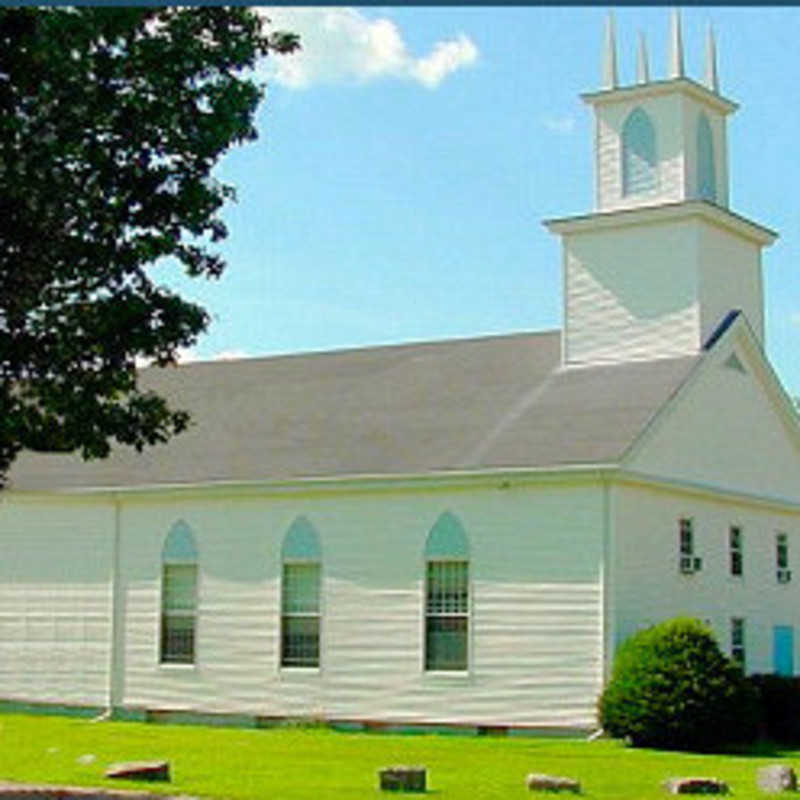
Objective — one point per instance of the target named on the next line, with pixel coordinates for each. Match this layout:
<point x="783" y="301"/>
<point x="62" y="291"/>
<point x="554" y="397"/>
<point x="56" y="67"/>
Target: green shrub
<point x="672" y="688"/>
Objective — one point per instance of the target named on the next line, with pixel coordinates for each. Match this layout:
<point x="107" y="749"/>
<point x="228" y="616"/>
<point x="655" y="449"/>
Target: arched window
<point x="301" y="557"/>
<point x="178" y="595"/>
<point x="447" y="596"/>
<point x="706" y="172"/>
<point x="639" y="169"/>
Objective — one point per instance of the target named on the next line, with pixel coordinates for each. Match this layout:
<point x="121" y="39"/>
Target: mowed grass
<point x="320" y="763"/>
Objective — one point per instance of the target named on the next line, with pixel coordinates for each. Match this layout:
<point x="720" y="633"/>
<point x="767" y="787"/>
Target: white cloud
<point x="187" y="355"/>
<point x="446" y="57"/>
<point x="560" y="125"/>
<point x="228" y="355"/>
<point x="341" y="45"/>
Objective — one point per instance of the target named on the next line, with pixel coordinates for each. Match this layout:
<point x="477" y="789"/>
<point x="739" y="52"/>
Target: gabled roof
<point x="729" y="425"/>
<point x="471" y="404"/>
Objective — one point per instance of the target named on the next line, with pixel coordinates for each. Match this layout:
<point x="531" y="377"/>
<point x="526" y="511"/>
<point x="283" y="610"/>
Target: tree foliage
<point x="111" y="120"/>
<point x="672" y="688"/>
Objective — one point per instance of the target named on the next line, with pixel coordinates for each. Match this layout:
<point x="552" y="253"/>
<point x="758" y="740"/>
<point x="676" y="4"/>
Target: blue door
<point x="783" y="650"/>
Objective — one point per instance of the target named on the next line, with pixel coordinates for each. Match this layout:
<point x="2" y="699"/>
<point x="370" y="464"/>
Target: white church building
<point x="446" y="533"/>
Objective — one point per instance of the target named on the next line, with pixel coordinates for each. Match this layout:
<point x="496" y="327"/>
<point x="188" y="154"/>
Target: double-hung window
<point x="178" y="596"/>
<point x="736" y="550"/>
<point x="447" y="596"/>
<point x="446" y="615"/>
<point x="688" y="563"/>
<point x="300" y="596"/>
<point x="783" y="573"/>
<point x="737" y="641"/>
<point x="300" y="617"/>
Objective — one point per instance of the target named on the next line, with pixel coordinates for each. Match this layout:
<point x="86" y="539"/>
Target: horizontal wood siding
<point x="666" y="115"/>
<point x="536" y="623"/>
<point x="727" y="430"/>
<point x="631" y="293"/>
<point x="55" y="602"/>
<point x="730" y="277"/>
<point x="650" y="587"/>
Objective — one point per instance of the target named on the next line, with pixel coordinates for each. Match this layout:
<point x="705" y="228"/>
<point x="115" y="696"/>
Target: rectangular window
<point x="300" y="615"/>
<point x="784" y="574"/>
<point x="687" y="562"/>
<point x="178" y="613"/>
<point x="446" y="615"/>
<point x="737" y="641"/>
<point x="735" y="549"/>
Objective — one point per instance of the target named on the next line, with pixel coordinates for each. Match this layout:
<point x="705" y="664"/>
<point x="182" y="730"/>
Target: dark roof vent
<point x="717" y="333"/>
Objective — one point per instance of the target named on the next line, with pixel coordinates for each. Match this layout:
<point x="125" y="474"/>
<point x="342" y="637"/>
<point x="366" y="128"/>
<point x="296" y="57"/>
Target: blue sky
<point x="407" y="158"/>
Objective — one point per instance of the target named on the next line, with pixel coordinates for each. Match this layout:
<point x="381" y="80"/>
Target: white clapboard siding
<point x="729" y="276"/>
<point x="55" y="602"/>
<point x="631" y="293"/>
<point x="535" y="640"/>
<point x="669" y="170"/>
<point x="665" y="114"/>
<point x="674" y="118"/>
<point x="650" y="588"/>
<point x="730" y="428"/>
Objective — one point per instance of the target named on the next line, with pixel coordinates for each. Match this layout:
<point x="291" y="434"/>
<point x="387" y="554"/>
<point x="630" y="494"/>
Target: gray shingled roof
<point x="470" y="404"/>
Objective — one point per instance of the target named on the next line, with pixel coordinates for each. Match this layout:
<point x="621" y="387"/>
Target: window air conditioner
<point x="689" y="565"/>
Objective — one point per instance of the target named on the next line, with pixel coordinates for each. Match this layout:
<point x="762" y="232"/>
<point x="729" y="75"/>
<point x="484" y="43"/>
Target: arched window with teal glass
<point x="179" y="595"/>
<point x="639" y="165"/>
<point x="301" y="559"/>
<point x="706" y="171"/>
<point x="447" y="596"/>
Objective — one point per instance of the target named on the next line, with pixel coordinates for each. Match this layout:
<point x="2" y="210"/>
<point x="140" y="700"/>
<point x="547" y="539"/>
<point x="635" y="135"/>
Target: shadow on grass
<point x="766" y="748"/>
<point x="763" y="748"/>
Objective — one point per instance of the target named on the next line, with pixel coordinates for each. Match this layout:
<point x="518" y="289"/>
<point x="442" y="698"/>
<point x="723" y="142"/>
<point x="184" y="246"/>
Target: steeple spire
<point x="711" y="79"/>
<point x="642" y="67"/>
<point x="610" y="79"/>
<point x="675" y="47"/>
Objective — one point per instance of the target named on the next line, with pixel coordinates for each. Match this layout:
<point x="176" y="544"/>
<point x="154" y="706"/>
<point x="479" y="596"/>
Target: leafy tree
<point x="111" y="120"/>
<point x="672" y="688"/>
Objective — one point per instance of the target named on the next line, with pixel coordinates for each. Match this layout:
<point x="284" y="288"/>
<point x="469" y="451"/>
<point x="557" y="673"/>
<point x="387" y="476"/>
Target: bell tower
<point x="660" y="141"/>
<point x="662" y="260"/>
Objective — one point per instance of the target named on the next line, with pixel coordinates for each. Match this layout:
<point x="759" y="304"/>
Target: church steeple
<point x="711" y="80"/>
<point x="642" y="65"/>
<point x="676" y="46"/>
<point x="662" y="140"/>
<point x="610" y="78"/>
<point x="661" y="262"/>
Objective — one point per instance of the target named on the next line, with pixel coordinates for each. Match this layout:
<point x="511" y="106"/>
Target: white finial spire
<point x="711" y="79"/>
<point x="676" y="47"/>
<point x="642" y="67"/>
<point x="610" y="80"/>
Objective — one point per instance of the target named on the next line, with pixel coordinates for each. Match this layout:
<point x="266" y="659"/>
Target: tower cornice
<point x="655" y="88"/>
<point x="665" y="212"/>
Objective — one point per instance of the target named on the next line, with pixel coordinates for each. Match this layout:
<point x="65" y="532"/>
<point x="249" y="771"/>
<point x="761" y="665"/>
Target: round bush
<point x="672" y="688"/>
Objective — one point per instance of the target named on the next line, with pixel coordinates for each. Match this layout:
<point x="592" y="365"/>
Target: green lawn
<point x="319" y="763"/>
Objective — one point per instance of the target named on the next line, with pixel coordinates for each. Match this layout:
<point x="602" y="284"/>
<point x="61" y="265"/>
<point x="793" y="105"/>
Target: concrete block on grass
<point x="776" y="778"/>
<point x="402" y="779"/>
<point x="538" y="782"/>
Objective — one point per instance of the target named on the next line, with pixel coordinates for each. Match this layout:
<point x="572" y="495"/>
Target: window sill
<point x="447" y="674"/>
<point x="299" y="670"/>
<point x="176" y="667"/>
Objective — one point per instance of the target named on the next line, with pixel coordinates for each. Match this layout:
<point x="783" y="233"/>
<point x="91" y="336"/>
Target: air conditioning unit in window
<point x="784" y="575"/>
<point x="690" y="564"/>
